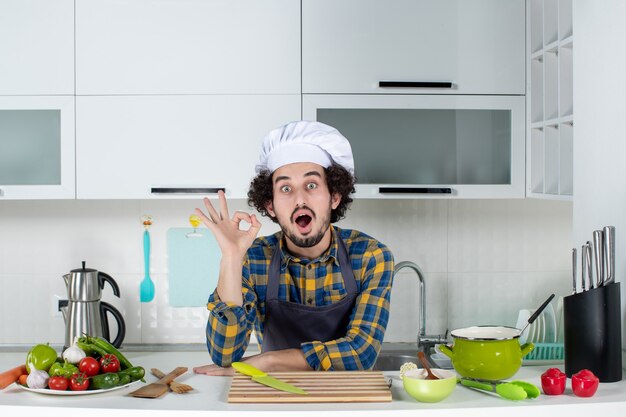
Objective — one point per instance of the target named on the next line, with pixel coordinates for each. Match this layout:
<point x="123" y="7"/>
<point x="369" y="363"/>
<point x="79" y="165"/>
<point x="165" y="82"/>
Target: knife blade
<point x="609" y="253"/>
<point x="589" y="265"/>
<point x="263" y="378"/>
<point x="574" y="271"/>
<point x="598" y="252"/>
<point x="583" y="267"/>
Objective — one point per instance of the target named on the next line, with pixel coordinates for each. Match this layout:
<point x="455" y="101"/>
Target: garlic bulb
<point x="74" y="354"/>
<point x="37" y="379"/>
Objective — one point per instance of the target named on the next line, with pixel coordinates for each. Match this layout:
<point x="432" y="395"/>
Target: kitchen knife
<point x="609" y="253"/>
<point x="574" y="271"/>
<point x="598" y="254"/>
<point x="583" y="267"/>
<point x="589" y="265"/>
<point x="263" y="378"/>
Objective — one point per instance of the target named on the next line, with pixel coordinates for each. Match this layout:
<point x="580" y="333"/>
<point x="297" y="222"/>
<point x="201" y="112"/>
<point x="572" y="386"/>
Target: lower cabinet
<point x="146" y="147"/>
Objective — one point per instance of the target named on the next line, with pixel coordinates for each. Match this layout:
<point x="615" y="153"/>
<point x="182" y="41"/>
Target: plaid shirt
<point x="314" y="282"/>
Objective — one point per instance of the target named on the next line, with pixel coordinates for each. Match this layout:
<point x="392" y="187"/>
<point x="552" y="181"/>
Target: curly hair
<point x="338" y="180"/>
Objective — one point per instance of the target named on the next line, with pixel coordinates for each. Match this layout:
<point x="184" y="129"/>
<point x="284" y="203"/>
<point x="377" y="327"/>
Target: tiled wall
<point x="483" y="260"/>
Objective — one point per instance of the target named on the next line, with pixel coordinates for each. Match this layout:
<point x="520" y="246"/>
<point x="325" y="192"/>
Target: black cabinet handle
<point x="416" y="84"/>
<point x="186" y="190"/>
<point x="414" y="190"/>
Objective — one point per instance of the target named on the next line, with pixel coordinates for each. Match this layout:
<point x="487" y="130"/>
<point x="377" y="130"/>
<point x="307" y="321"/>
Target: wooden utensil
<point x="158" y="388"/>
<point x="424" y="362"/>
<point x="176" y="387"/>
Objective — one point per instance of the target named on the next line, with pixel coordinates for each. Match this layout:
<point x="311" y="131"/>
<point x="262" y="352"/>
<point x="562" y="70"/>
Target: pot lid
<point x="486" y="333"/>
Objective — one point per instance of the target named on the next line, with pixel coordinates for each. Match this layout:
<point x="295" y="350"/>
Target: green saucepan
<point x="487" y="352"/>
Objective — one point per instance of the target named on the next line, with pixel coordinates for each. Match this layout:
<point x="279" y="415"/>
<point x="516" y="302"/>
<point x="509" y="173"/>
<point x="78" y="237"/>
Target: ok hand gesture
<point x="232" y="241"/>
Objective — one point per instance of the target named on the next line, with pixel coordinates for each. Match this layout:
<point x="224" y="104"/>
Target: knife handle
<point x="589" y="264"/>
<point x="574" y="270"/>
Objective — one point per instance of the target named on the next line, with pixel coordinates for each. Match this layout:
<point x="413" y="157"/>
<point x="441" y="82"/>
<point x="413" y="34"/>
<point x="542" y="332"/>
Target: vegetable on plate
<point x="79" y="382"/>
<point x="58" y="383"/>
<point x="41" y="357"/>
<point x="12" y="375"/>
<point x="90" y="366"/>
<point x="109" y="363"/>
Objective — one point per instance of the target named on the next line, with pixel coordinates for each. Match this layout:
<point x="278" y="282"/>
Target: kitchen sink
<point x="392" y="361"/>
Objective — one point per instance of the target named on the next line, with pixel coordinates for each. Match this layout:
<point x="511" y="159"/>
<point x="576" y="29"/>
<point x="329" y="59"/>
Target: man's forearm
<point x="229" y="283"/>
<point x="280" y="360"/>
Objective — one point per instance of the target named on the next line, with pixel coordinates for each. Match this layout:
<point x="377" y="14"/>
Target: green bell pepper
<point x="63" y="369"/>
<point x="41" y="357"/>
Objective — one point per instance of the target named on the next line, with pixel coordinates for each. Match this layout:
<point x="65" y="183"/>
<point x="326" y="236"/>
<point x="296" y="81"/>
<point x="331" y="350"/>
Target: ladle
<point x="424" y="362"/>
<point x="537" y="313"/>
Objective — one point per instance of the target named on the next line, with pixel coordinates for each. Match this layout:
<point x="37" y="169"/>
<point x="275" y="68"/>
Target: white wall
<point x="483" y="259"/>
<point x="599" y="139"/>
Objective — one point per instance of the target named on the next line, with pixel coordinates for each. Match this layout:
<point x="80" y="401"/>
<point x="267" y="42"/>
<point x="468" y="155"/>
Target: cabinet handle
<point x="413" y="190"/>
<point x="416" y="84"/>
<point x="182" y="190"/>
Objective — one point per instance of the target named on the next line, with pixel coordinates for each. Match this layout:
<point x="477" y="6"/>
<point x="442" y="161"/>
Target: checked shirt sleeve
<point x="229" y="326"/>
<point x="359" y="349"/>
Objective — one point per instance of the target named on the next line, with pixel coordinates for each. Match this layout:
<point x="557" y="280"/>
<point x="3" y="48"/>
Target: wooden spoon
<point x="424" y="362"/>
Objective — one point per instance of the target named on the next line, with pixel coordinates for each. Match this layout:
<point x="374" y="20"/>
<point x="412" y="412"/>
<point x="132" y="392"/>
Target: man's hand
<point x="274" y="361"/>
<point x="233" y="242"/>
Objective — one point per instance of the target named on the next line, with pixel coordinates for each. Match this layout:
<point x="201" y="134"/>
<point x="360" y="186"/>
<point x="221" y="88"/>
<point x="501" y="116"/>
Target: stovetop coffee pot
<point x="83" y="311"/>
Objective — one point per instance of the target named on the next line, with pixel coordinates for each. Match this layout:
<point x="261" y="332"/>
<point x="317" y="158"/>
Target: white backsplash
<point x="483" y="261"/>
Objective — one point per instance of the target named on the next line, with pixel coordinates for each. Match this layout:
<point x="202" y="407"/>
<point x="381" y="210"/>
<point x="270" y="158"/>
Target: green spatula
<point x="510" y="390"/>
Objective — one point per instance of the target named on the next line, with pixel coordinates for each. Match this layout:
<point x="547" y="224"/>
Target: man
<point x="317" y="295"/>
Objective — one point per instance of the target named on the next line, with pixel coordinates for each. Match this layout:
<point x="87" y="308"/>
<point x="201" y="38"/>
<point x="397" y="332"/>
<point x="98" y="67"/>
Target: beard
<point x="308" y="241"/>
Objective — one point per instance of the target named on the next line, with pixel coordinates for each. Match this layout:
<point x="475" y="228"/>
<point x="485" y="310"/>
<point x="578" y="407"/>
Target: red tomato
<point x="553" y="381"/>
<point x="585" y="383"/>
<point x="89" y="366"/>
<point x="79" y="382"/>
<point x="59" y="383"/>
<point x="109" y="363"/>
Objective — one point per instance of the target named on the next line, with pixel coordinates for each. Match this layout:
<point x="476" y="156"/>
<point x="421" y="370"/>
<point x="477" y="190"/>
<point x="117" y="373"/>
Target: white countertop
<point x="210" y="396"/>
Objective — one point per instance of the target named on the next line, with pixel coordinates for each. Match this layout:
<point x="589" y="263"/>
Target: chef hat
<point x="304" y="141"/>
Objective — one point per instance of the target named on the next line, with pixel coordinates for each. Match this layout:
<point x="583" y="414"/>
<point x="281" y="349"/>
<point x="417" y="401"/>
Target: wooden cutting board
<point x="322" y="387"/>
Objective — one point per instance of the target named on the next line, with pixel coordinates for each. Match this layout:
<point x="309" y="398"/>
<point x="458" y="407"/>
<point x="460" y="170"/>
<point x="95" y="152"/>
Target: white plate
<point x="551" y="329"/>
<point x="48" y="391"/>
<point x="522" y="320"/>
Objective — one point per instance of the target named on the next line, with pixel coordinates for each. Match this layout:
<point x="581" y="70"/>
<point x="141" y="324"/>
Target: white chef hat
<point x="305" y="141"/>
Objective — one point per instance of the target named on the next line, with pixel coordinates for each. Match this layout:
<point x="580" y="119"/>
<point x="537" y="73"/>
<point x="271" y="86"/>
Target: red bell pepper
<point x="585" y="383"/>
<point x="553" y="381"/>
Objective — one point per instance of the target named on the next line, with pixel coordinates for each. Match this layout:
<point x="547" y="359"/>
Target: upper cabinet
<point x="36" y="47"/>
<point x="144" y="147"/>
<point x="36" y="147"/>
<point x="471" y="46"/>
<point x="550" y="112"/>
<point x="187" y="47"/>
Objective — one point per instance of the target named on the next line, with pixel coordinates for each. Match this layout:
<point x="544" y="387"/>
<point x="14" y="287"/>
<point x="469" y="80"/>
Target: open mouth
<point x="304" y="222"/>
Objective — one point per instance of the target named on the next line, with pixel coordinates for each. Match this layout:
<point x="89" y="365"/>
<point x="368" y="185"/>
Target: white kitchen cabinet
<point x="550" y="110"/>
<point x="36" y="47"/>
<point x="145" y="147"/>
<point x="187" y="47"/>
<point x="429" y="146"/>
<point x="478" y="46"/>
<point x="37" y="147"/>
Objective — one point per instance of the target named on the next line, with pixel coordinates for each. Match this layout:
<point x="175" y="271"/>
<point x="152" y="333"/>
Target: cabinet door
<point x="36" y="147"/>
<point x="187" y="47"/>
<point x="429" y="146"/>
<point x="129" y="147"/>
<point x="36" y="47"/>
<point x="476" y="45"/>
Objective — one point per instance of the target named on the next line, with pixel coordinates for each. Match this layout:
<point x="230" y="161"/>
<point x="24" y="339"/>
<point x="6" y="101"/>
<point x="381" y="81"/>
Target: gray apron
<point x="289" y="324"/>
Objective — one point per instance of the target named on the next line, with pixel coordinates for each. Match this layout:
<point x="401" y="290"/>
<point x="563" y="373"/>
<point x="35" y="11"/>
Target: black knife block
<point x="593" y="332"/>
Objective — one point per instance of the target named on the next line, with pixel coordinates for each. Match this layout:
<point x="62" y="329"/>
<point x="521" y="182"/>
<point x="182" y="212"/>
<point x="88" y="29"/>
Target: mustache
<point x="302" y="208"/>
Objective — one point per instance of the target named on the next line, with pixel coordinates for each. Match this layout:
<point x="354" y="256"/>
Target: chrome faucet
<point x="423" y="340"/>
